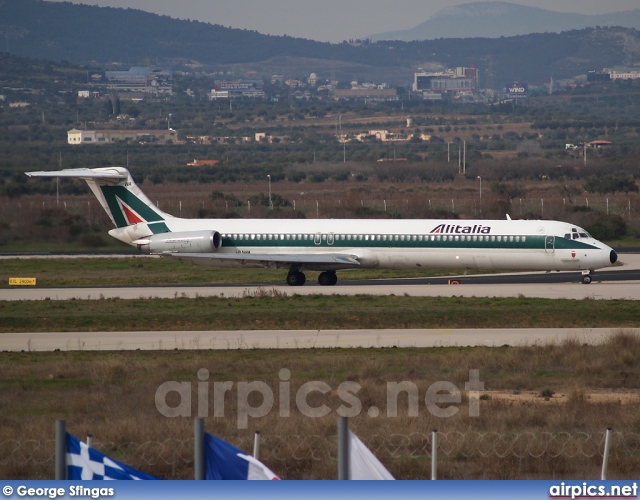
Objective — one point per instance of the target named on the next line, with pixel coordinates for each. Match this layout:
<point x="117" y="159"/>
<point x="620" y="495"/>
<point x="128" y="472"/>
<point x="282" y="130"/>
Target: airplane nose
<point x="613" y="257"/>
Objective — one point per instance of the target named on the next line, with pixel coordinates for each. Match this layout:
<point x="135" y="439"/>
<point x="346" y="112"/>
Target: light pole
<point x="480" y="179"/>
<point x="464" y="157"/>
<point x="270" y="202"/>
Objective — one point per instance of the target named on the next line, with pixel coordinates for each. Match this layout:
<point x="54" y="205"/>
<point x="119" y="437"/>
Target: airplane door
<point x="318" y="239"/>
<point x="330" y="239"/>
<point x="549" y="244"/>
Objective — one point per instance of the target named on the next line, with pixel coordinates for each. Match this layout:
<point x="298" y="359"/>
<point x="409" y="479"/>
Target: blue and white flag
<point x="224" y="461"/>
<point x="89" y="464"/>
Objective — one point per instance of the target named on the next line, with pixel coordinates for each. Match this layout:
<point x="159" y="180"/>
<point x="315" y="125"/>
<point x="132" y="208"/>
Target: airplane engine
<point x="186" y="242"/>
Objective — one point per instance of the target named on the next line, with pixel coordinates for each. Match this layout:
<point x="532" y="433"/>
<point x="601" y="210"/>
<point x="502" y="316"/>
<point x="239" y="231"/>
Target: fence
<point x="469" y="455"/>
<point x="323" y="206"/>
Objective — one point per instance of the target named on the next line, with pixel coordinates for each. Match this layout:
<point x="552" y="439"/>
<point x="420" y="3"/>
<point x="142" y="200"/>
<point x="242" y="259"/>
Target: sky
<point x="332" y="20"/>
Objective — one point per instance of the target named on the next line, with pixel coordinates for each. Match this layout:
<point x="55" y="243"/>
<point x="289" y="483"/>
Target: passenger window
<point x="457" y="237"/>
<point x="493" y="238"/>
<point x="524" y="238"/>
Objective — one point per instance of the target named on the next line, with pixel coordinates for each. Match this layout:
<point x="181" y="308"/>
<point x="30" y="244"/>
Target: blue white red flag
<point x="224" y="461"/>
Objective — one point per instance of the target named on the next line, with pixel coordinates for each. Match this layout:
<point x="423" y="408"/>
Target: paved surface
<point x="286" y="339"/>
<point x="610" y="284"/>
<point x="596" y="290"/>
<point x="299" y="339"/>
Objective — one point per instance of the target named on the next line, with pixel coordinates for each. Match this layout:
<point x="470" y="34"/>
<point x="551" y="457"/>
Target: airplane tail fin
<point x="133" y="214"/>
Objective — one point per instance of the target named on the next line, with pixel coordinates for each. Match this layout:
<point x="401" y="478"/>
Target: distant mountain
<point x="80" y="33"/>
<point x="497" y="19"/>
<point x="103" y="36"/>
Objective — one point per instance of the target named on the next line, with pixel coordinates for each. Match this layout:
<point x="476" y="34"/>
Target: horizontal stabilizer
<point x="81" y="173"/>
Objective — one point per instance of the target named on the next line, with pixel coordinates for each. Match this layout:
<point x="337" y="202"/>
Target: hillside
<point x="100" y="36"/>
<point x="498" y="19"/>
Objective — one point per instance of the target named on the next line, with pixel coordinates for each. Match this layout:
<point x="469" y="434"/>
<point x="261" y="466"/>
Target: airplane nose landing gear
<point x="586" y="276"/>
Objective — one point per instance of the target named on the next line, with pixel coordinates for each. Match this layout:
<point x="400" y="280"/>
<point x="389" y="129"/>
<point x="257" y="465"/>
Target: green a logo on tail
<point x="127" y="209"/>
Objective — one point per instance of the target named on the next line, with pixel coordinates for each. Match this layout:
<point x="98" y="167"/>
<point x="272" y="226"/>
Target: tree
<point x="611" y="183"/>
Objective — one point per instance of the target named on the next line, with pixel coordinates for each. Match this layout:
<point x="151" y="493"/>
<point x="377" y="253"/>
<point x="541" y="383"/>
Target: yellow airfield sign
<point x="22" y="282"/>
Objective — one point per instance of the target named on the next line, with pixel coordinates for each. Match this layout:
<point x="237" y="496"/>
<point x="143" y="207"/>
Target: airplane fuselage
<point x="403" y="244"/>
<point x="328" y="245"/>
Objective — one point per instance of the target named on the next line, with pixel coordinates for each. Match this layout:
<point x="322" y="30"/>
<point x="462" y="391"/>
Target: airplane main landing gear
<point x="296" y="279"/>
<point x="586" y="277"/>
<point x="328" y="278"/>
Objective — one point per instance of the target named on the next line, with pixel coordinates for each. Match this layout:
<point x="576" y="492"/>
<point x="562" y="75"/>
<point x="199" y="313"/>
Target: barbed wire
<point x="469" y="445"/>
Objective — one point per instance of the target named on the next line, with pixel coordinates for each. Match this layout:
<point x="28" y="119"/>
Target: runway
<point x="618" y="283"/>
<point x="299" y="339"/>
<point x="611" y="284"/>
<point x="597" y="290"/>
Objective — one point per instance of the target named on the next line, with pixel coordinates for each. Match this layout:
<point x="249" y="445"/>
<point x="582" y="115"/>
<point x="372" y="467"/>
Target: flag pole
<point x="61" y="450"/>
<point x="343" y="448"/>
<point x="198" y="449"/>
<point x="434" y="455"/>
<point x="256" y="445"/>
<point x="605" y="456"/>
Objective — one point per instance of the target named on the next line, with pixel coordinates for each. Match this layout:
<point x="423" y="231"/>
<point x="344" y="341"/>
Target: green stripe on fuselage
<point x="158" y="228"/>
<point x="530" y="242"/>
<point x="111" y="193"/>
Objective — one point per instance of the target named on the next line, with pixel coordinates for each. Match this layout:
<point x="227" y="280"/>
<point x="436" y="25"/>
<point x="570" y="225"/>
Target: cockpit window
<point x="584" y="235"/>
<point x="567" y="236"/>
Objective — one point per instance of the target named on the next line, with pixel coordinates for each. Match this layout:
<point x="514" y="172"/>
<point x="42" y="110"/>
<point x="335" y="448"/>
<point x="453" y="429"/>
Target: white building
<point x="77" y="137"/>
<point x="218" y="94"/>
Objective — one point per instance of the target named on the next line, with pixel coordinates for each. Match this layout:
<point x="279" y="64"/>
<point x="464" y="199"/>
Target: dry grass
<point x="111" y="395"/>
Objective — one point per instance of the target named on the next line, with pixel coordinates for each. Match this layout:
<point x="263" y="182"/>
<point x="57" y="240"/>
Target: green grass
<point x="51" y="272"/>
<point x="312" y="312"/>
<point x="112" y="396"/>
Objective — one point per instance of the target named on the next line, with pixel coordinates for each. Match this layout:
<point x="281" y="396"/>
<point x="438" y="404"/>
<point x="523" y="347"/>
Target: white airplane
<point x="329" y="245"/>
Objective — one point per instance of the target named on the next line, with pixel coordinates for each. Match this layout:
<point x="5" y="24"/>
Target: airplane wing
<point x="335" y="260"/>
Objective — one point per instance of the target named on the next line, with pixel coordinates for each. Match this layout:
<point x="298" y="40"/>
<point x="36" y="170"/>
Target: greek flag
<point x="89" y="464"/>
<point x="224" y="461"/>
